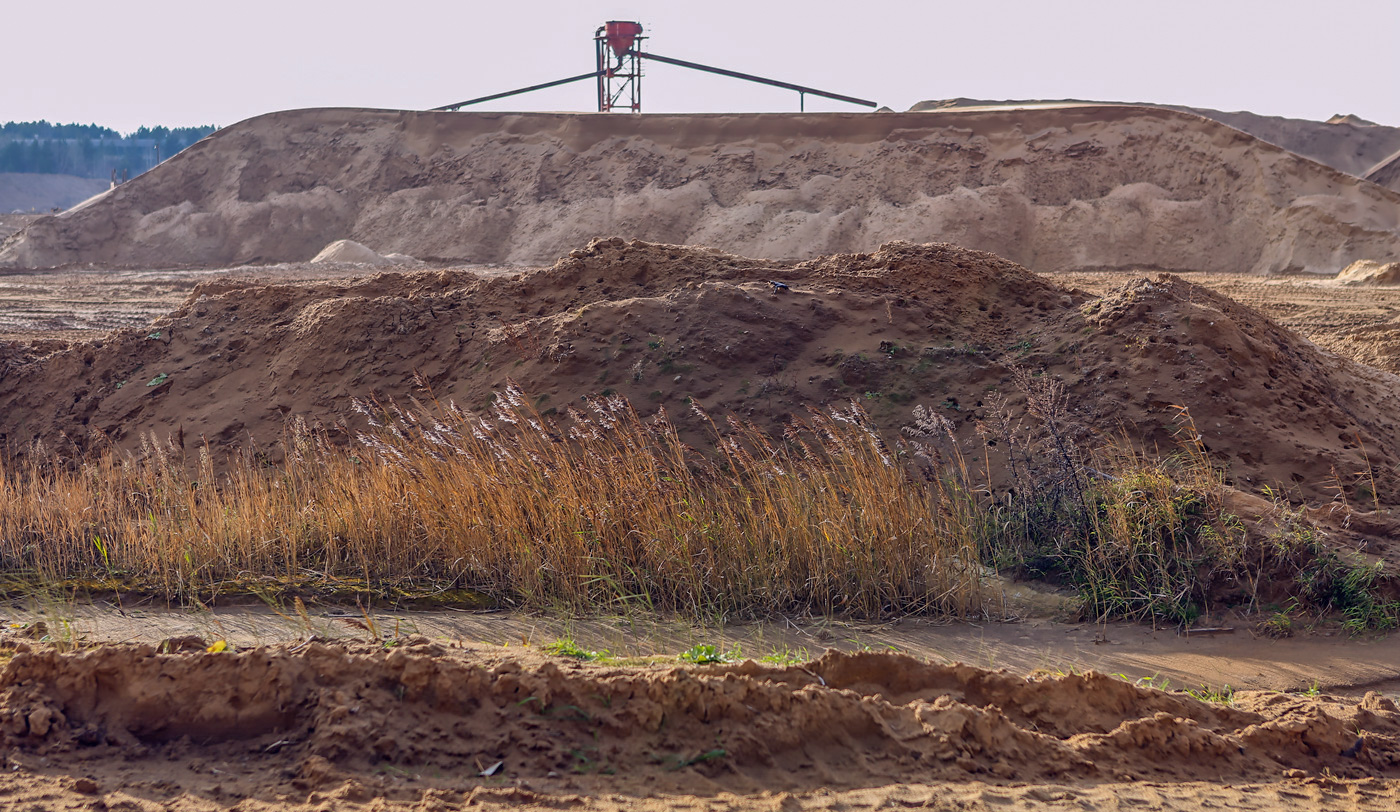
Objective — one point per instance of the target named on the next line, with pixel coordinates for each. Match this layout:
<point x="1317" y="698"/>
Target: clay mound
<point x="349" y="251"/>
<point x="667" y="325"/>
<point x="871" y="719"/>
<point x="1369" y="272"/>
<point x="1090" y="186"/>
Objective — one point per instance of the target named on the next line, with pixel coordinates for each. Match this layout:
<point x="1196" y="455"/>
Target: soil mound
<point x="326" y="713"/>
<point x="1369" y="272"/>
<point x="669" y="325"/>
<point x="1082" y="187"/>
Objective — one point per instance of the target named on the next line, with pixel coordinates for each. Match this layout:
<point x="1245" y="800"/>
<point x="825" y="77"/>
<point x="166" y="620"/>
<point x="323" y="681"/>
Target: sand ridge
<point x="1053" y="189"/>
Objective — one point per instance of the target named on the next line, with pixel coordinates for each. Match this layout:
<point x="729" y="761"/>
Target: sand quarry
<point x="1148" y="258"/>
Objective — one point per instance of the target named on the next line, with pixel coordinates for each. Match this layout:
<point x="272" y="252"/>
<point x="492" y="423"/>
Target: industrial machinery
<point x="618" y="70"/>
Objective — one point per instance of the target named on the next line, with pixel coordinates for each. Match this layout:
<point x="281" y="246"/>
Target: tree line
<point x="88" y="150"/>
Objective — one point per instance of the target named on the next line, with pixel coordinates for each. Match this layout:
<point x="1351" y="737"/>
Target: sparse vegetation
<point x="602" y="510"/>
<point x="566" y="647"/>
<point x="1224" y="695"/>
<point x="1144" y="538"/>
<point x="706" y="653"/>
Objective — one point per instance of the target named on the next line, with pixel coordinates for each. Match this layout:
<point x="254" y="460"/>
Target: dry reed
<point x="598" y="510"/>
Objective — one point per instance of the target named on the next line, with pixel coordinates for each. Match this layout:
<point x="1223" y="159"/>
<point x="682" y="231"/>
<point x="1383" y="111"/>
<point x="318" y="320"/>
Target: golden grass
<point x="598" y="511"/>
<point x="601" y="510"/>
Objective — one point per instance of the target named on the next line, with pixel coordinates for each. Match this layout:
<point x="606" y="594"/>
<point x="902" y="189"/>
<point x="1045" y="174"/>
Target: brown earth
<point x="432" y="726"/>
<point x="664" y="325"/>
<point x="1084" y="187"/>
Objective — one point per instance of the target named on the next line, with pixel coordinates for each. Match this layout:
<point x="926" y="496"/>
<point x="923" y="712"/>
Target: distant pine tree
<point x="88" y="150"/>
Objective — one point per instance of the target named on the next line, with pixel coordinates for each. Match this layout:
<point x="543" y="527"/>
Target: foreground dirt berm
<point x="346" y="723"/>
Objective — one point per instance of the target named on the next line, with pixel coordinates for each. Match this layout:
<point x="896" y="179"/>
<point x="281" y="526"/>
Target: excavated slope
<point x="910" y="324"/>
<point x="1053" y="189"/>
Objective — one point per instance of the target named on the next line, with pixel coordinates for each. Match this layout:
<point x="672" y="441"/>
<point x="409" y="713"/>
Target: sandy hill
<point x="26" y="192"/>
<point x="1053" y="189"/>
<point x="1344" y="142"/>
<point x="1386" y="172"/>
<point x="665" y="325"/>
<point x="1348" y="143"/>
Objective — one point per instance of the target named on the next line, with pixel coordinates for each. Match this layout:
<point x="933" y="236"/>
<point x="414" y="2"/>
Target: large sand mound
<point x="934" y="325"/>
<point x="1053" y="189"/>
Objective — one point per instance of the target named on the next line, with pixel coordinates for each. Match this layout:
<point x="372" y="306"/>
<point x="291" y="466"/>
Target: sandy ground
<point x="1230" y="651"/>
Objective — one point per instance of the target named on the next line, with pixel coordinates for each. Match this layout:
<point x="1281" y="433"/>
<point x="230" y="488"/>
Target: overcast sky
<point x="126" y="64"/>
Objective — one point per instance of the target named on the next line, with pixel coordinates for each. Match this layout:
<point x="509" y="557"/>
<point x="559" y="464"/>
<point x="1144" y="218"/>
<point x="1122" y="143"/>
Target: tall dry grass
<point x="597" y="510"/>
<point x="602" y="510"/>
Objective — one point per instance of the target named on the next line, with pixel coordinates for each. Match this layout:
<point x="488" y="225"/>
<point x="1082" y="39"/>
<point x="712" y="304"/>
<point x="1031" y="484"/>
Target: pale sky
<point x="127" y="64"/>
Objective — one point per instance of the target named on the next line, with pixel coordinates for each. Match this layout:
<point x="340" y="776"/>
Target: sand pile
<point x="349" y="252"/>
<point x="1370" y="272"/>
<point x="1082" y="187"/>
<point x="326" y="714"/>
<point x="668" y="325"/>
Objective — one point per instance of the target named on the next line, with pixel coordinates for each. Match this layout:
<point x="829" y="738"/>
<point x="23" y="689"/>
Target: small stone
<point x="86" y="786"/>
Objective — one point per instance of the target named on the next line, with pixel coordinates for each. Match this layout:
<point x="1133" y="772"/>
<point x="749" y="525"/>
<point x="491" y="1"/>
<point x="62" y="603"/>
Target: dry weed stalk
<point x="585" y="513"/>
